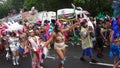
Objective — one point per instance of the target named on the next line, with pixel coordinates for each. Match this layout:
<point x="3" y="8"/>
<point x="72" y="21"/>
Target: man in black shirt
<point x="99" y="39"/>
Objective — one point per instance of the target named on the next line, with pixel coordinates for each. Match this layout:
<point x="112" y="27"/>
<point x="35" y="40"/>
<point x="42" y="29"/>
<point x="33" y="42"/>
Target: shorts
<point x="87" y="52"/>
<point x="115" y="49"/>
<point x="13" y="47"/>
<point x="100" y="42"/>
<point x="59" y="45"/>
<point x="21" y="49"/>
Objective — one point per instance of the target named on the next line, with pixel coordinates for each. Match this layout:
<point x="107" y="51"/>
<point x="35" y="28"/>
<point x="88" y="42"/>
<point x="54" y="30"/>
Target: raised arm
<point x="29" y="45"/>
<point x="71" y="27"/>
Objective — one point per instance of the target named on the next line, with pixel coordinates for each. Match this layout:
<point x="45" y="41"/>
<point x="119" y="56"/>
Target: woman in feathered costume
<point x="115" y="44"/>
<point x="57" y="37"/>
<point x="14" y="44"/>
<point x="4" y="38"/>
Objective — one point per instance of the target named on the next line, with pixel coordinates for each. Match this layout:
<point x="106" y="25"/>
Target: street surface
<point x="72" y="60"/>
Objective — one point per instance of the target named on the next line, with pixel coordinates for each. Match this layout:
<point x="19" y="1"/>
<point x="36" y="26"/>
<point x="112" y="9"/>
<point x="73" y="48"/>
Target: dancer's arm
<point x="29" y="46"/>
<point x="111" y="34"/>
<point x="102" y="34"/>
<point x="50" y="40"/>
<point x="71" y="27"/>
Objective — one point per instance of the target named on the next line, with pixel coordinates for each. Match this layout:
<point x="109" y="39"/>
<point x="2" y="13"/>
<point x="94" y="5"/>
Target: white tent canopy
<point x="44" y="15"/>
<point x="68" y="11"/>
<point x="17" y="17"/>
<point x="52" y="15"/>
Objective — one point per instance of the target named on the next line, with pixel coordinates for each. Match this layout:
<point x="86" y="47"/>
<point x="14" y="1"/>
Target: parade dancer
<point x="44" y="36"/>
<point x="115" y="46"/>
<point x="14" y="44"/>
<point x="86" y="42"/>
<point x="4" y="42"/>
<point x="36" y="49"/>
<point x="59" y="42"/>
<point x="1" y="47"/>
<point x="23" y="43"/>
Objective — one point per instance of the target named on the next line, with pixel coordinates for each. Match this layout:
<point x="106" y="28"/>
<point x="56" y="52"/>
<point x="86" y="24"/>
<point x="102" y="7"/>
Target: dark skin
<point x="60" y="52"/>
<point x="117" y="42"/>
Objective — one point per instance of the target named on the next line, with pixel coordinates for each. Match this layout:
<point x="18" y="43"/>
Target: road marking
<point x="50" y="57"/>
<point x="56" y="57"/>
<point x="104" y="64"/>
<point x="76" y="57"/>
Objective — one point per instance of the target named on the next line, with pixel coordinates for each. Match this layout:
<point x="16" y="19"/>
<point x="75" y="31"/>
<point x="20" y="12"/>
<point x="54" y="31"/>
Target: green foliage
<point x="5" y="8"/>
<point x="17" y="4"/>
<point x="93" y="6"/>
<point x="47" y="4"/>
<point x="9" y="5"/>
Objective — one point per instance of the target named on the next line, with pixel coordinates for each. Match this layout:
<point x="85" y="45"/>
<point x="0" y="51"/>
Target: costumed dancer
<point x="115" y="45"/>
<point x="1" y="47"/>
<point x="23" y="48"/>
<point x="86" y="42"/>
<point x="36" y="49"/>
<point x="14" y="44"/>
<point x="4" y="42"/>
<point x="59" y="42"/>
<point x="44" y="35"/>
<point x="44" y="51"/>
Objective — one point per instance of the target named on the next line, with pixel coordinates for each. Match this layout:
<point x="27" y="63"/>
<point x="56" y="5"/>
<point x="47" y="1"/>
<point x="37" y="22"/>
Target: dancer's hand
<point x="44" y="45"/>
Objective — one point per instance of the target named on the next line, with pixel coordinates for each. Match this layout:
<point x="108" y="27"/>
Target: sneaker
<point x="100" y="56"/>
<point x="82" y="59"/>
<point x="104" y="46"/>
<point x="63" y="62"/>
<point x="14" y="63"/>
<point x="17" y="63"/>
<point x="93" y="61"/>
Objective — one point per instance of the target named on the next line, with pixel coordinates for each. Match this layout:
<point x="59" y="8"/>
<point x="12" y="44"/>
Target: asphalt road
<point x="72" y="60"/>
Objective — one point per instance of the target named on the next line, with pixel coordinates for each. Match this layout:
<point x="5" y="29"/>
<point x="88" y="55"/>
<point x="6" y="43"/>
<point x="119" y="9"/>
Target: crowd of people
<point x="34" y="37"/>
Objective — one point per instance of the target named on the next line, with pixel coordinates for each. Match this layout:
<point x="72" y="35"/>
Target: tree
<point x="16" y="4"/>
<point x="9" y="5"/>
<point x="4" y="8"/>
<point x="95" y="6"/>
<point x="31" y="3"/>
<point x="47" y="4"/>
